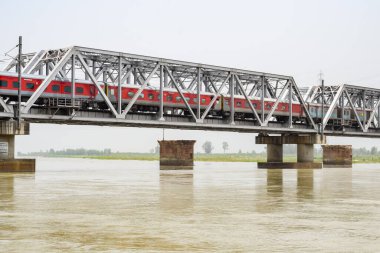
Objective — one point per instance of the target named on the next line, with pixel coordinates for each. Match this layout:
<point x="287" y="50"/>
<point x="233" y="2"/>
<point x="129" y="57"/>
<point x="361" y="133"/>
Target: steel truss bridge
<point x="115" y="68"/>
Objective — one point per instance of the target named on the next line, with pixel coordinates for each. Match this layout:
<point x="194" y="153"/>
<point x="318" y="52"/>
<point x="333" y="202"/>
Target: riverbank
<point x="230" y="157"/>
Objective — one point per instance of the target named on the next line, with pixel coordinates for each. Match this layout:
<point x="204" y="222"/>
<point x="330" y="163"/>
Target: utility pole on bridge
<point x="19" y="66"/>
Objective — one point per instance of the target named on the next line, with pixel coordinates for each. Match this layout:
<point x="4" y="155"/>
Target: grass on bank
<point x="229" y="157"/>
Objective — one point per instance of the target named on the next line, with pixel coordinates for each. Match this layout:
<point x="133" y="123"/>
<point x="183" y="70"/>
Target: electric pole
<point x="19" y="81"/>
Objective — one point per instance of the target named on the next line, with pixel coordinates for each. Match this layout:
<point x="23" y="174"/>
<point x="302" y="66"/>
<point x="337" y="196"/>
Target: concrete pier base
<point x="177" y="154"/>
<point x="8" y="163"/>
<point x="289" y="165"/>
<point x="18" y="165"/>
<point x="305" y="151"/>
<point x="337" y="156"/>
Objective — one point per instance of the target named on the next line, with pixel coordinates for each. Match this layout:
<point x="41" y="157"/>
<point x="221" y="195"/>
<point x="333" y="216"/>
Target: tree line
<point x="207" y="147"/>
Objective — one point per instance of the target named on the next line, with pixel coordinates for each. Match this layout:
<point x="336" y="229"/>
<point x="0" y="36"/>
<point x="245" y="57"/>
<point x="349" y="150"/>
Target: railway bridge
<point x="86" y="86"/>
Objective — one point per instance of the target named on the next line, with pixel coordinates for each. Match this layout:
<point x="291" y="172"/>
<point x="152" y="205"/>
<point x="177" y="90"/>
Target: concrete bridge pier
<point x="305" y="151"/>
<point x="8" y="163"/>
<point x="275" y="153"/>
<point x="337" y="156"/>
<point x="176" y="154"/>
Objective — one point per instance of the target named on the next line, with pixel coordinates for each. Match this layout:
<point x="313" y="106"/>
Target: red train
<point x="88" y="98"/>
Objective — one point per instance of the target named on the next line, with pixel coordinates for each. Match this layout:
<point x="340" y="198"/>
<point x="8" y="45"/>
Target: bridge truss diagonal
<point x="362" y="102"/>
<point x="115" y="69"/>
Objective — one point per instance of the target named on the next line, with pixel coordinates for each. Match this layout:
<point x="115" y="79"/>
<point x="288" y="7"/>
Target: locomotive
<point x="87" y="97"/>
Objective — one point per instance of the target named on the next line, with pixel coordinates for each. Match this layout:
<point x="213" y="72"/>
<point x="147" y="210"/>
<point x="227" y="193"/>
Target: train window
<point x="131" y="94"/>
<point x="67" y="89"/>
<point x="253" y="104"/>
<point x="178" y="99"/>
<point x="203" y="100"/>
<point x="269" y="106"/>
<point x="169" y="98"/>
<point x="15" y="84"/>
<point x="150" y="96"/>
<point x="238" y="104"/>
<point x="30" y="86"/>
<point x="187" y="99"/>
<point x="55" y="88"/>
<point x="3" y="83"/>
<point x="78" y="90"/>
<point x="141" y="95"/>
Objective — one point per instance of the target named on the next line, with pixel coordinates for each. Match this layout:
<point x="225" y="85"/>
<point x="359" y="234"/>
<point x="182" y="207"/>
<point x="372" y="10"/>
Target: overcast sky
<point x="298" y="38"/>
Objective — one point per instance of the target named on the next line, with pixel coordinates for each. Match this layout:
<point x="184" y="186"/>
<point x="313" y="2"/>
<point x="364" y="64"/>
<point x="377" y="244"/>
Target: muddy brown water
<point x="79" y="205"/>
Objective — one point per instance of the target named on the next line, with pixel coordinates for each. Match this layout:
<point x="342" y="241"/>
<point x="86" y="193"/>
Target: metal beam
<point x="248" y="100"/>
<point x="47" y="80"/>
<point x="354" y="109"/>
<point x="215" y="96"/>
<point x="372" y="115"/>
<point x="332" y="106"/>
<point x="32" y="64"/>
<point x="265" y="123"/>
<point x="161" y="109"/>
<point x="119" y="93"/>
<point x="290" y="105"/>
<point x="93" y="79"/>
<point x="302" y="102"/>
<point x="262" y="99"/>
<point x="4" y="105"/>
<point x="199" y="83"/>
<point x="181" y="93"/>
<point x="73" y="80"/>
<point x="142" y="87"/>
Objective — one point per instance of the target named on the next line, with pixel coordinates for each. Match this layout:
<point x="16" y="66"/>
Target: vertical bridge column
<point x="8" y="163"/>
<point x="305" y="151"/>
<point x="178" y="154"/>
<point x="275" y="153"/>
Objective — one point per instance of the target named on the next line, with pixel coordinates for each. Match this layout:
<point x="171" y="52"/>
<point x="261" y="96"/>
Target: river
<point x="78" y="205"/>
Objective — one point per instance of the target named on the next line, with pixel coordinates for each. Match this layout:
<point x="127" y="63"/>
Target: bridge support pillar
<point x="305" y="151"/>
<point x="275" y="153"/>
<point x="337" y="156"/>
<point x="8" y="163"/>
<point x="176" y="154"/>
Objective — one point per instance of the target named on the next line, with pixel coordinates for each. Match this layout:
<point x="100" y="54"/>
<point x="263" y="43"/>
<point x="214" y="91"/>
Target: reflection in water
<point x="270" y="196"/>
<point x="274" y="182"/>
<point x="6" y="191"/>
<point x="305" y="183"/>
<point x="176" y="190"/>
<point x="337" y="181"/>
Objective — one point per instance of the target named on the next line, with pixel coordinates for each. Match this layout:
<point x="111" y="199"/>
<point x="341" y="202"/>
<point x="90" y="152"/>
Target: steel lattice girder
<point x="345" y="96"/>
<point x="115" y="68"/>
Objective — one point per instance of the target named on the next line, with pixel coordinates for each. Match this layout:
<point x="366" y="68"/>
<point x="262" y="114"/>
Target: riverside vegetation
<point x="361" y="155"/>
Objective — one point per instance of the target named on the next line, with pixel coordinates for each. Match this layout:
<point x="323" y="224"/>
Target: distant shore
<point x="220" y="157"/>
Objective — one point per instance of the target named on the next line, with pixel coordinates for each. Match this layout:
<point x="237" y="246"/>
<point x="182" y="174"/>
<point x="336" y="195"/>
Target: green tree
<point x="207" y="147"/>
<point x="225" y="146"/>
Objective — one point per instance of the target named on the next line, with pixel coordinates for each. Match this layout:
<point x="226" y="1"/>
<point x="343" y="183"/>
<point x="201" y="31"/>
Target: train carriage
<point x="87" y="97"/>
